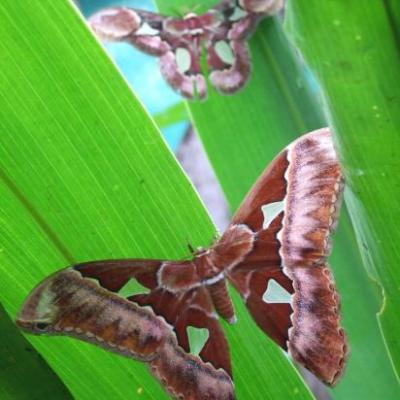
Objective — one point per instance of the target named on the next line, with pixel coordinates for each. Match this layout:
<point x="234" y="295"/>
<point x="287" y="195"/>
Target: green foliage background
<point x="84" y="174"/>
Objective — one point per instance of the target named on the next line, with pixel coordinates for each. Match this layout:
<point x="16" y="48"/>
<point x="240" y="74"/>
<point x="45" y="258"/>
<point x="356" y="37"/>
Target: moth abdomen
<point x="222" y="301"/>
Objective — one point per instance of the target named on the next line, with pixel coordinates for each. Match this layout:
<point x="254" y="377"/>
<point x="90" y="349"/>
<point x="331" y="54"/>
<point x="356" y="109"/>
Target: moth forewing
<point x="115" y="24"/>
<point x="262" y="6"/>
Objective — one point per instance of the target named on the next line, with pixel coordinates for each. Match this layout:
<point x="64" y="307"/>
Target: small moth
<point x="274" y="253"/>
<point x="223" y="31"/>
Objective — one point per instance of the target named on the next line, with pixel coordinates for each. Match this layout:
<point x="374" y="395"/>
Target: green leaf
<point x="369" y="373"/>
<point x="18" y="360"/>
<point x="182" y="7"/>
<point x="359" y="72"/>
<point x="84" y="175"/>
<point x="197" y="339"/>
<point x="172" y="115"/>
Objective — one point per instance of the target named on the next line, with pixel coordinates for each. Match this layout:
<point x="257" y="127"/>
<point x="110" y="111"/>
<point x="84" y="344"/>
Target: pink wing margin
<point x="314" y="189"/>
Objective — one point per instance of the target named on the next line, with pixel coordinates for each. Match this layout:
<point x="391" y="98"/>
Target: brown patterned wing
<point x="285" y="280"/>
<point x="229" y="64"/>
<point x="268" y="7"/>
<point x="191" y="309"/>
<point x="118" y="305"/>
<point x="228" y="55"/>
<point x="181" y="68"/>
<point x="139" y="28"/>
<point x="182" y="310"/>
<point x="161" y="36"/>
<point x="223" y="29"/>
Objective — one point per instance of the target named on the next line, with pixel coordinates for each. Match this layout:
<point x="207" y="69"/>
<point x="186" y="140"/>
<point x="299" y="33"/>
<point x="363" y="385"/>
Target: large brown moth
<point x="222" y="30"/>
<point x="274" y="254"/>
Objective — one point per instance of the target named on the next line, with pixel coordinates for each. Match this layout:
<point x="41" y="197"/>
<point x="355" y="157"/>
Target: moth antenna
<point x="191" y="248"/>
<point x="216" y="237"/>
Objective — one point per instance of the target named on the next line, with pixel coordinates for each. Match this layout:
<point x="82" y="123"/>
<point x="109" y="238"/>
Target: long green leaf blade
<point x="84" y="175"/>
<point x="18" y="360"/>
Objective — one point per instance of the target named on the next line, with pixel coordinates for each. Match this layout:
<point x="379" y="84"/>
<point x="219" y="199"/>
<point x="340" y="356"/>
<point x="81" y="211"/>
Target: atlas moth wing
<point x="139" y="28"/>
<point x="259" y="278"/>
<point x="227" y="51"/>
<point x="93" y="302"/>
<point x="192" y="313"/>
<point x="267" y="293"/>
<point x="315" y="185"/>
<point x="114" y="275"/>
<point x="293" y="208"/>
<point x="180" y="67"/>
<point x="267" y="7"/>
<point x="270" y="188"/>
<point x="260" y="267"/>
<point x="183" y="309"/>
<point x="229" y="64"/>
<point x="228" y="56"/>
<point x="156" y="35"/>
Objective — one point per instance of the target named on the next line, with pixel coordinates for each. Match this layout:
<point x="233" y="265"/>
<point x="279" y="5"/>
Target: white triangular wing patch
<point x="131" y="288"/>
<point x="146" y="30"/>
<point x="197" y="339"/>
<point x="271" y="211"/>
<point x="275" y="293"/>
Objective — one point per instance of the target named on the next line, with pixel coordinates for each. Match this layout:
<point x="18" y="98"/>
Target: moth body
<point x="274" y="253"/>
<point x="229" y="22"/>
